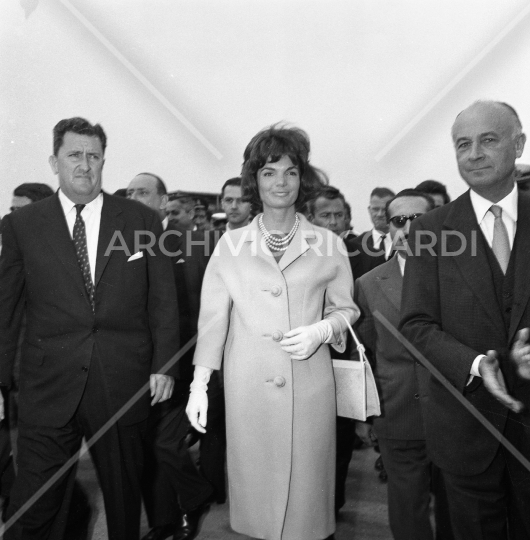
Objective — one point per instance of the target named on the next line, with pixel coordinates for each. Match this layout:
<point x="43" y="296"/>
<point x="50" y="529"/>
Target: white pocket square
<point x="180" y="261"/>
<point x="135" y="256"/>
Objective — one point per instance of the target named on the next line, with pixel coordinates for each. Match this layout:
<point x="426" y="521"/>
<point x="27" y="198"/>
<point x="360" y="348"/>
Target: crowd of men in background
<point x="176" y="492"/>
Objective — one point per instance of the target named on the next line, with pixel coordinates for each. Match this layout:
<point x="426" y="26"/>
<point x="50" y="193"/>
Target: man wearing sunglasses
<point x="464" y="300"/>
<point x="399" y="429"/>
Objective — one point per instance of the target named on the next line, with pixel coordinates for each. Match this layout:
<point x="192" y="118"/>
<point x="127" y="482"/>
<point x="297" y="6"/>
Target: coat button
<point x="276" y="290"/>
<point x="279" y="381"/>
<point x="84" y="368"/>
<point x="277" y="336"/>
<point x="416" y="396"/>
<point x="95" y="329"/>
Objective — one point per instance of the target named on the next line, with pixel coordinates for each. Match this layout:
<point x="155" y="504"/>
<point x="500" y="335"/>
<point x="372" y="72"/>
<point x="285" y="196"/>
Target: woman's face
<point x="278" y="183"/>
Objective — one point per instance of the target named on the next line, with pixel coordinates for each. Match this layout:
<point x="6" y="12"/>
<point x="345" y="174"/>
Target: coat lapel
<point x="110" y="223"/>
<point x="304" y="237"/>
<point x="473" y="262"/>
<point x="521" y="248"/>
<point x="258" y="247"/>
<point x="58" y="237"/>
<point x="391" y="282"/>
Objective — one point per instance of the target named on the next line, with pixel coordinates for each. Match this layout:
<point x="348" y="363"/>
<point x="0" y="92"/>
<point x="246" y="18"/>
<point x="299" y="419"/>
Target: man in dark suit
<point x="174" y="492"/>
<point x="102" y="323"/>
<point x="372" y="248"/>
<point x="399" y="429"/>
<point x="465" y="295"/>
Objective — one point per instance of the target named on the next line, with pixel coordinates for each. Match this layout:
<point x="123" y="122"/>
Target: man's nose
<point x="134" y="196"/>
<point x="476" y="151"/>
<point x="332" y="220"/>
<point x="406" y="228"/>
<point x="85" y="163"/>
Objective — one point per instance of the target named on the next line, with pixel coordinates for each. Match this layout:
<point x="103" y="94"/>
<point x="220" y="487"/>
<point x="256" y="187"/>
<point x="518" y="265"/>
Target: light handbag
<point x="356" y="391"/>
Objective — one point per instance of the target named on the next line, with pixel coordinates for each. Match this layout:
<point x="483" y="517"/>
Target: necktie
<point x="82" y="253"/>
<point x="501" y="242"/>
<point x="382" y="246"/>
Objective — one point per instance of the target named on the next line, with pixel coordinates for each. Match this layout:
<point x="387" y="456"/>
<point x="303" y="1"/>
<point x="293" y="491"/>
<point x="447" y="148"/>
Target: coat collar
<point x="305" y="237"/>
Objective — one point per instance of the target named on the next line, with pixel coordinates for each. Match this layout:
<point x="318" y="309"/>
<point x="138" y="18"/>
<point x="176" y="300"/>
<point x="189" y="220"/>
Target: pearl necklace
<point x="274" y="243"/>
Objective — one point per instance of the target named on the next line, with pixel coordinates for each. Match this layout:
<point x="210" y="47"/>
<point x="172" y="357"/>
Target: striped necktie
<point x="82" y="253"/>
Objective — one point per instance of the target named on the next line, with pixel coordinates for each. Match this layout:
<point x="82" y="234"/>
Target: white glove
<point x="198" y="402"/>
<point x="303" y="341"/>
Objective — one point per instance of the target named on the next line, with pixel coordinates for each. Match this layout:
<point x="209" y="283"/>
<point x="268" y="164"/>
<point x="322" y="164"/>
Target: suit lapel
<point x="110" y="223"/>
<point x="56" y="233"/>
<point x="521" y="251"/>
<point x="391" y="282"/>
<point x="473" y="263"/>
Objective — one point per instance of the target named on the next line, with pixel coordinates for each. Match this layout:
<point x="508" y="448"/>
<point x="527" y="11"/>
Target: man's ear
<point x="519" y="145"/>
<point x="52" y="160"/>
<point x="163" y="202"/>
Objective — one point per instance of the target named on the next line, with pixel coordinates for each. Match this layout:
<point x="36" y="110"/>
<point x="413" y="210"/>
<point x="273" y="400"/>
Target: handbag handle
<point x="358" y="345"/>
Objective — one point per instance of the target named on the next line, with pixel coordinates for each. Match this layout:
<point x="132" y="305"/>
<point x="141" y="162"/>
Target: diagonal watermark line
<point x="141" y="78"/>
<point x="453" y="391"/>
<point x="452" y="83"/>
<point x="39" y="493"/>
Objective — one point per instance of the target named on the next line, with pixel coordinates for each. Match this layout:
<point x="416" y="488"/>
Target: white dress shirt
<point x="486" y="221"/>
<point x="91" y="215"/>
<point x="377" y="236"/>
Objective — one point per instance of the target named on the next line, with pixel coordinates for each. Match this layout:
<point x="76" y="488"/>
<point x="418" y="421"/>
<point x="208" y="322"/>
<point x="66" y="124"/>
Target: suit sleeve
<point x="12" y="299"/>
<point x="162" y="307"/>
<point x="365" y="323"/>
<point x="214" y="317"/>
<point x="339" y="299"/>
<point x="421" y="318"/>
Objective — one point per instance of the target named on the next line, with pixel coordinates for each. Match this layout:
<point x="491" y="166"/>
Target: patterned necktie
<point x="501" y="242"/>
<point x="82" y="253"/>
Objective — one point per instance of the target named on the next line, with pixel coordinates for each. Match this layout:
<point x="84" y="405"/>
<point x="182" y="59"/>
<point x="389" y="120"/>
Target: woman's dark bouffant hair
<point x="269" y="146"/>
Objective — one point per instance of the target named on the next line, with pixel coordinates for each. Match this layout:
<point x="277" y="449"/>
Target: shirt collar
<point x="68" y="205"/>
<point x="482" y="205"/>
<point x="165" y="223"/>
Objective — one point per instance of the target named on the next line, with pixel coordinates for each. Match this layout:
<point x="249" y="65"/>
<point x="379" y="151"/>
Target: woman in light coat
<point x="274" y="295"/>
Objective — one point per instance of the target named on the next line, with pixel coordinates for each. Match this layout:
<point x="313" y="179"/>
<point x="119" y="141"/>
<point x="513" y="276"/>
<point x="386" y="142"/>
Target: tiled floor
<point x="363" y="518"/>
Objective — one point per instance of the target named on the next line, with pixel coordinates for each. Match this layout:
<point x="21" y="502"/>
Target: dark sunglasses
<point x="401" y="221"/>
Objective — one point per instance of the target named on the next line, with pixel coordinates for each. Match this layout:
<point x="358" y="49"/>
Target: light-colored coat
<point x="280" y="413"/>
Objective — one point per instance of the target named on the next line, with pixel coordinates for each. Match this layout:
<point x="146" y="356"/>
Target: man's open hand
<point x="521" y="353"/>
<point x="493" y="380"/>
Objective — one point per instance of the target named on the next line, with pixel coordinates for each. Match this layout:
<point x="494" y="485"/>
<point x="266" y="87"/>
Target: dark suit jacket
<point x="451" y="313"/>
<point x="363" y="256"/>
<point x="132" y="333"/>
<point x="395" y="369"/>
<point x="190" y="252"/>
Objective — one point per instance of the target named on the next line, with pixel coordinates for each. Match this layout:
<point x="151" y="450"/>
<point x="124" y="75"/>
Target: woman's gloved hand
<point x="303" y="341"/>
<point x="197" y="407"/>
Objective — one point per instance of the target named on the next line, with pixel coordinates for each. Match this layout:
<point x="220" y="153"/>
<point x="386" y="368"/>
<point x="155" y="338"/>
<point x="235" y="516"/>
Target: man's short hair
<point x="231" y="182"/>
<point x="328" y="192"/>
<point x="185" y="200"/>
<point x="409" y="193"/>
<point x="81" y="127"/>
<point x="382" y="192"/>
<point x="160" y="185"/>
<point x="33" y="191"/>
<point x="433" y="187"/>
